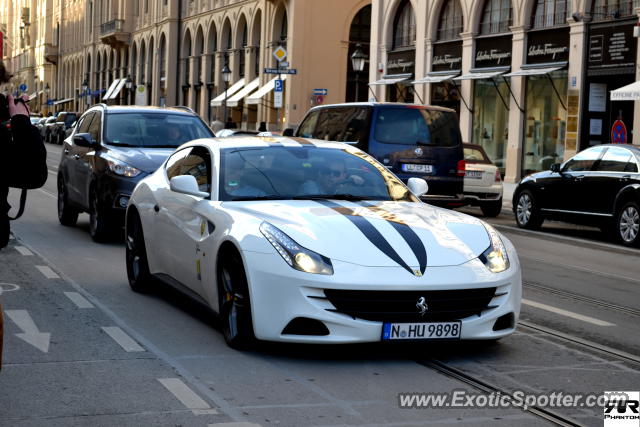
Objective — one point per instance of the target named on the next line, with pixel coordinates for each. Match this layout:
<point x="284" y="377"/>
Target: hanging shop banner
<point x="548" y="46"/>
<point x="447" y="56"/>
<point x="493" y="52"/>
<point x="612" y="47"/>
<point x="401" y="62"/>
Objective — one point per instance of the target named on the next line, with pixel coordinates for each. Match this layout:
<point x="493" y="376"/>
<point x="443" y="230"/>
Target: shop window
<point x="450" y="24"/>
<point x="491" y="120"/>
<point x="496" y="17"/>
<point x="550" y="13"/>
<point x="613" y="9"/>
<point x="404" y="26"/>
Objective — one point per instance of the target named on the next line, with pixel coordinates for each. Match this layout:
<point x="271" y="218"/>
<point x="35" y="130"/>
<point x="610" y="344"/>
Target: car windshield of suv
<point x="306" y="173"/>
<point x="412" y="125"/>
<point x="153" y="130"/>
<point x="69" y="119"/>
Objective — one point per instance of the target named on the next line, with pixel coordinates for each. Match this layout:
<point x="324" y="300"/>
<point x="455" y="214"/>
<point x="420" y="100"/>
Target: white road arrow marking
<point x="31" y="334"/>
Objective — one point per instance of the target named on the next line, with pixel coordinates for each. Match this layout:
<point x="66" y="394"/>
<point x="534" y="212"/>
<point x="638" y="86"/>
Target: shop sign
<point x="447" y="56"/>
<point x="401" y="62"/>
<point x="493" y="52"/>
<point x="611" y="46"/>
<point x="548" y="46"/>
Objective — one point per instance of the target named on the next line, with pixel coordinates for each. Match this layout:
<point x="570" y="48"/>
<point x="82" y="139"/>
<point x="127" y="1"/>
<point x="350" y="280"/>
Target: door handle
<point x="66" y="151"/>
<point x="625" y="178"/>
<point x="76" y="156"/>
<point x="156" y="208"/>
<point x="578" y="177"/>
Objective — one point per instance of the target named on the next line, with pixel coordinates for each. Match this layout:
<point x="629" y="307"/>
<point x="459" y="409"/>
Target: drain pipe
<point x="179" y="53"/>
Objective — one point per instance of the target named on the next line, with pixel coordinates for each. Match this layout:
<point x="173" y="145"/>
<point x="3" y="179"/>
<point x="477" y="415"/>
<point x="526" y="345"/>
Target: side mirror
<point x="287" y="132"/>
<point x="186" y="184"/>
<point x="418" y="186"/>
<point x="555" y="167"/>
<point x="84" y="140"/>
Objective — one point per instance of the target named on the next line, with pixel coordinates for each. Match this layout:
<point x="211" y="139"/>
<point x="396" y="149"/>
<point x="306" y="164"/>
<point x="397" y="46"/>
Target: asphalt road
<point x="114" y="357"/>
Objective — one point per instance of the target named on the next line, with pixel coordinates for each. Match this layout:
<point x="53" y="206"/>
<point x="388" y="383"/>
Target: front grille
<point x="400" y="306"/>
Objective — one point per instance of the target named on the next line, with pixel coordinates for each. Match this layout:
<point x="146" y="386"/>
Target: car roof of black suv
<point x="383" y="104"/>
<point x="144" y="109"/>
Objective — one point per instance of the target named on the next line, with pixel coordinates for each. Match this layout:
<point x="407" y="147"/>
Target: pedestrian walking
<point x="22" y="155"/>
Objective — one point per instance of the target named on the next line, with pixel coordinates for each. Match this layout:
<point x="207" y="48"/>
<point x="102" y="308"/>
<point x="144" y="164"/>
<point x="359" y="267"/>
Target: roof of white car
<point x="268" y="141"/>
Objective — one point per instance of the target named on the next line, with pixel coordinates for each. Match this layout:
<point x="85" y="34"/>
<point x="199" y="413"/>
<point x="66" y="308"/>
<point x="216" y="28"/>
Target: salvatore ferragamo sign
<point x="548" y="46"/>
<point x="447" y="56"/>
<point x="493" y="52"/>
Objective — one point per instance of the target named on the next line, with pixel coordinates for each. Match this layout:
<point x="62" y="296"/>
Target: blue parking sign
<point x="278" y="86"/>
<point x="23" y="87"/>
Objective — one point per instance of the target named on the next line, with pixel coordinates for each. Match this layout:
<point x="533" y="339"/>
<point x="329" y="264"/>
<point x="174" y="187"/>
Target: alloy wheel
<point x="523" y="209"/>
<point x="629" y="224"/>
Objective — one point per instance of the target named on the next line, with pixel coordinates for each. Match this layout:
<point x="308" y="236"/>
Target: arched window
<point x="404" y="26"/>
<point x="613" y="9"/>
<point x="496" y="17"/>
<point x="550" y="13"/>
<point x="450" y="25"/>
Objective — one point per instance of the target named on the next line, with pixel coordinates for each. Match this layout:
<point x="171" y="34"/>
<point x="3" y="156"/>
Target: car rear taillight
<point x="462" y="166"/>
<point x="498" y="177"/>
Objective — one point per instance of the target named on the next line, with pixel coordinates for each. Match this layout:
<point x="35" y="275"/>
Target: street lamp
<point x="129" y="85"/>
<point x="47" y="89"/>
<point x="226" y="76"/>
<point x="85" y="90"/>
<point x="357" y="62"/>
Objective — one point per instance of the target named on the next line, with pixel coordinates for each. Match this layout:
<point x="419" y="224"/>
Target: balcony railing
<point x="114" y="33"/>
<point x="113" y="26"/>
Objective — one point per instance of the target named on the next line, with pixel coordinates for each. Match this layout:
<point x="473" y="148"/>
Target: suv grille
<point x="400" y="306"/>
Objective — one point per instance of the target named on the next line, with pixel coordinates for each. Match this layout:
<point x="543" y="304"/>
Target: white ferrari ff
<point x="297" y="240"/>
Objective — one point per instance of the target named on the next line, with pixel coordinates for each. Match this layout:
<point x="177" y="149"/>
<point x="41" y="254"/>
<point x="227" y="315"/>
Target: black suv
<point x="410" y="140"/>
<point x="110" y="150"/>
<point x="64" y="121"/>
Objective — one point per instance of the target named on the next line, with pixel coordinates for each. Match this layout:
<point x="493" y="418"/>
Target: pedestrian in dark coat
<point x="22" y="153"/>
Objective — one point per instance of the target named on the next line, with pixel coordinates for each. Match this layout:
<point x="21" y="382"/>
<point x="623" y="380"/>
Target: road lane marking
<point x="47" y="272"/>
<point x="8" y="287"/>
<point x="30" y="333"/>
<point x="124" y="340"/>
<point x="78" y="300"/>
<point x="583" y="269"/>
<point x="566" y="313"/>
<point x="235" y="425"/>
<point x="185" y="395"/>
<point x="24" y="251"/>
<point x="48" y="193"/>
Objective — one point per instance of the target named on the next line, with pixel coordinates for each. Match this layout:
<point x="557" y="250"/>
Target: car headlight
<point x="295" y="255"/>
<point x="495" y="258"/>
<point x="121" y="168"/>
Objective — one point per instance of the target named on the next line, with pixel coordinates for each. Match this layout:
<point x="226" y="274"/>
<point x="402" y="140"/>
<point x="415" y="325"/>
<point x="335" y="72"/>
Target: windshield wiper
<point x="349" y="197"/>
<point x="121" y="144"/>
<point x="267" y="197"/>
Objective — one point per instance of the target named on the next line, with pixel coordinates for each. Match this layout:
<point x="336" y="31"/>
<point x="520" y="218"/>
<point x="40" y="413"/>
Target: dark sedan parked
<point x="109" y="151"/>
<point x="599" y="186"/>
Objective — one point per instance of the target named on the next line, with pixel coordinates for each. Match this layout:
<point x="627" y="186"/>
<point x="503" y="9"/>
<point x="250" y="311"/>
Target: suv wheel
<point x="527" y="212"/>
<point x="99" y="226"/>
<point x="492" y="208"/>
<point x="628" y="224"/>
<point x="66" y="214"/>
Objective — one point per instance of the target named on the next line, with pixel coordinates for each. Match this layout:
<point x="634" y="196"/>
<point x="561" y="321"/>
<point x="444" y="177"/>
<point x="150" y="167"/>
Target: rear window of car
<point x="153" y="129"/>
<point x="341" y="124"/>
<point x="70" y="118"/>
<point x="475" y="155"/>
<point x="411" y="126"/>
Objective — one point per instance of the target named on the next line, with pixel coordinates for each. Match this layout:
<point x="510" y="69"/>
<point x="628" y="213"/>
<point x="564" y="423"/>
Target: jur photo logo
<point x="622" y="409"/>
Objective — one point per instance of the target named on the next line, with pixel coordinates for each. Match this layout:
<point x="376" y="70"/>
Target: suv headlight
<point x="495" y="258"/>
<point x="295" y="255"/>
<point x="121" y="168"/>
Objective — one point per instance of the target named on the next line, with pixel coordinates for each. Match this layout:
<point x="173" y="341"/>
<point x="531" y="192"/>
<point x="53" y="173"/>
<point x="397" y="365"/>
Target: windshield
<point x="153" y="129"/>
<point x="411" y="126"/>
<point x="308" y="172"/>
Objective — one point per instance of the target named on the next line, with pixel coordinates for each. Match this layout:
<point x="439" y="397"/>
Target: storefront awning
<point x="260" y="93"/>
<point x="107" y="94"/>
<point x="219" y="100"/>
<point x="436" y="78"/>
<point x="118" y="88"/>
<point x="533" y="71"/>
<point x="627" y="93"/>
<point x="391" y="79"/>
<point x="62" y="101"/>
<point x="235" y="99"/>
<point x="478" y="76"/>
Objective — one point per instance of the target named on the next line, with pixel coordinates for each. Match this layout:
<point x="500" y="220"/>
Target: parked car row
<point x="54" y="129"/>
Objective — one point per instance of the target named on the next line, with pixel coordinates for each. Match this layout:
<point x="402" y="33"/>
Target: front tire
<point x="628" y="224"/>
<point x="140" y="278"/>
<point x="99" y="225"/>
<point x="67" y="215"/>
<point x="527" y="212"/>
<point x="235" y="304"/>
<point x="491" y="209"/>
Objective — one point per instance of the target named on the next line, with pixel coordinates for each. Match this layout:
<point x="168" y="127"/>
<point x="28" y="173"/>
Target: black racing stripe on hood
<point x="301" y="141"/>
<point x="369" y="231"/>
<point x="407" y="233"/>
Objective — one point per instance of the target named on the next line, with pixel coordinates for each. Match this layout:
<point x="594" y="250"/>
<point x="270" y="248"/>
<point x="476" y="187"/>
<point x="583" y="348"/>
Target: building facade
<point x="173" y="52"/>
<point x="530" y="79"/>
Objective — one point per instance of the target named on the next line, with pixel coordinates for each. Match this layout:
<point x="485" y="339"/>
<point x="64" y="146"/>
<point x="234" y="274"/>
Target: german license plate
<point x="421" y="331"/>
<point x="410" y="167"/>
<point x="473" y="174"/>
